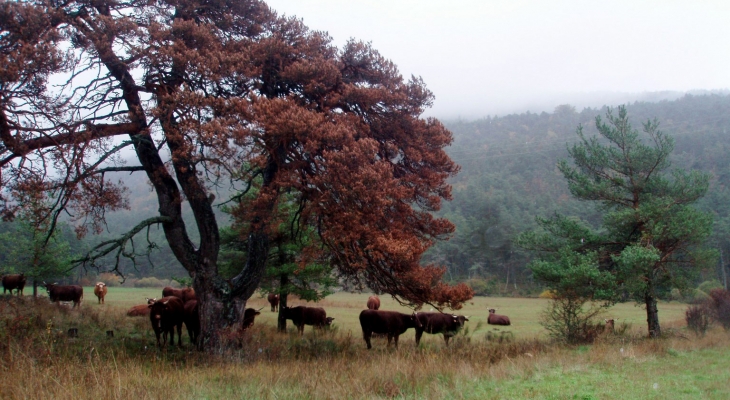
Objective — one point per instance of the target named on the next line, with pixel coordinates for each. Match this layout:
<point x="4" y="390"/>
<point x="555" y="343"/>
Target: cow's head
<point x="150" y="301"/>
<point x="459" y="319"/>
<point x="492" y="311"/>
<point x="156" y="310"/>
<point x="329" y="320"/>
<point x="49" y="286"/>
<point x="416" y="321"/>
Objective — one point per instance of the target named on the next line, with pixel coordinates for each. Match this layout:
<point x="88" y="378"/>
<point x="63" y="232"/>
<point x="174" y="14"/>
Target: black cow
<point x="434" y="322"/>
<point x="166" y="314"/>
<point x="301" y="315"/>
<point x="192" y="320"/>
<point x="65" y="293"/>
<point x="391" y="323"/>
<point x="249" y="315"/>
<point x="14" y="282"/>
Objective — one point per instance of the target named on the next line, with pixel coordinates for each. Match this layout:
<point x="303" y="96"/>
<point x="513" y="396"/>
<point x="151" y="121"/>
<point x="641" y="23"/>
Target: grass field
<point x="524" y="313"/>
<point x="37" y="360"/>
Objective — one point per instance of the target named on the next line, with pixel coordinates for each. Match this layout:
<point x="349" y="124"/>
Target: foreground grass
<point x="37" y="360"/>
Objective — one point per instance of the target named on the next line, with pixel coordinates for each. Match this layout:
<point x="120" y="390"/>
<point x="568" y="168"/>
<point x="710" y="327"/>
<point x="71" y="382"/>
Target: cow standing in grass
<point x="249" y="315"/>
<point x="373" y="303"/>
<point x="273" y="299"/>
<point x="184" y="294"/>
<point x="390" y="323"/>
<point x="301" y="315"/>
<point x="496" y="319"/>
<point x="192" y="320"/>
<point x="100" y="291"/>
<point x="58" y="293"/>
<point x="14" y="282"/>
<point x="435" y="322"/>
<point x="166" y="314"/>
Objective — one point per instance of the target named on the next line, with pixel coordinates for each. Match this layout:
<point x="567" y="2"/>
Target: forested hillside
<point x="509" y="176"/>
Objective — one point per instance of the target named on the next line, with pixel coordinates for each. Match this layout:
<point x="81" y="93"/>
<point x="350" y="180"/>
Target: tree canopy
<point x="215" y="93"/>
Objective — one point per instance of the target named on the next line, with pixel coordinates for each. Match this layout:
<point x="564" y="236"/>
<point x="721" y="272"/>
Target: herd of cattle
<point x="180" y="306"/>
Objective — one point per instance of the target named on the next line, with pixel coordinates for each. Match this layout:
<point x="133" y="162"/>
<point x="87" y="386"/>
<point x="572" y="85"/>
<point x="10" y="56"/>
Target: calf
<point x="273" y="299"/>
<point x="301" y="315"/>
<point x="166" y="314"/>
<point x="65" y="293"/>
<point x="141" y="310"/>
<point x="14" y="282"/>
<point x="192" y="320"/>
<point x="391" y="323"/>
<point x="100" y="291"/>
<point x="434" y="322"/>
<point x="373" y="303"/>
<point x="249" y="315"/>
<point x="609" y="328"/>
<point x="496" y="319"/>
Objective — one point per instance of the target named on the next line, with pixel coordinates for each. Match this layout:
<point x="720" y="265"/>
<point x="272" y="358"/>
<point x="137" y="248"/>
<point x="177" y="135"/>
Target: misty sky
<point x="484" y="57"/>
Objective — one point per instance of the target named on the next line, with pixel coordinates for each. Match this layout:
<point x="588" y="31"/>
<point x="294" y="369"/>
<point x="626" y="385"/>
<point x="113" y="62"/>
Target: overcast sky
<point x="486" y="57"/>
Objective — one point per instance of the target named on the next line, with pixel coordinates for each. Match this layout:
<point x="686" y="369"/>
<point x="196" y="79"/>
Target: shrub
<point x="708" y="286"/>
<point x="698" y="319"/>
<point x="111" y="279"/>
<point x="572" y="320"/>
<point x="719" y="304"/>
<point x="547" y="294"/>
<point x="482" y="287"/>
<point x="151" y="281"/>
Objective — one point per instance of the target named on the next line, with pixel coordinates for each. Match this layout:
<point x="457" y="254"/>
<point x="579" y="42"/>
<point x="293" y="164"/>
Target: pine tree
<point x="651" y="234"/>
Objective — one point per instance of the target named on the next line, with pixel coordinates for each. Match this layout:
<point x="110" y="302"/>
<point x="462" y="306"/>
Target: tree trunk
<point x="35" y="289"/>
<point x="652" y="316"/>
<point x="284" y="281"/>
<point x="723" y="269"/>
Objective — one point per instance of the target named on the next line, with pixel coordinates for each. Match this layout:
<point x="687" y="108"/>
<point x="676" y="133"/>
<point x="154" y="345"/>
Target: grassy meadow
<point x="38" y="360"/>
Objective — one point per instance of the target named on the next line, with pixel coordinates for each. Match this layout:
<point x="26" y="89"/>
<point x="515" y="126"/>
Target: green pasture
<point x="345" y="307"/>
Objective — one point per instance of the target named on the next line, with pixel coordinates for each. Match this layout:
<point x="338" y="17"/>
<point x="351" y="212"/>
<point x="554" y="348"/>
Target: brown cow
<point x="496" y="319"/>
<point x="273" y="299"/>
<point x="14" y="282"/>
<point x="435" y="322"/>
<point x="609" y="328"/>
<point x="301" y="315"/>
<point x="100" y="291"/>
<point x="249" y="315"/>
<point x="391" y="323"/>
<point x="58" y="293"/>
<point x="184" y="294"/>
<point x="373" y="303"/>
<point x="166" y="314"/>
<point x="142" y="309"/>
<point x="192" y="320"/>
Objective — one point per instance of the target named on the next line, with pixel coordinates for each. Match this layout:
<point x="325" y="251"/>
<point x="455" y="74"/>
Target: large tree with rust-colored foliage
<point x="211" y="93"/>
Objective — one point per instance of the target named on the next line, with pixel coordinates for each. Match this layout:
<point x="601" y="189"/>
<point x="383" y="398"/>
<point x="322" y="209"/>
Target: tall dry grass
<point x="39" y="360"/>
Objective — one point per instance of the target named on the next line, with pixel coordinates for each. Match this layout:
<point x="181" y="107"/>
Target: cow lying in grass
<point x="496" y="319"/>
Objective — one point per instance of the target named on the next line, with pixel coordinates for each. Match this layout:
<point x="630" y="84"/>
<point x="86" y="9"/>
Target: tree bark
<point x="652" y="312"/>
<point x="283" y="281"/>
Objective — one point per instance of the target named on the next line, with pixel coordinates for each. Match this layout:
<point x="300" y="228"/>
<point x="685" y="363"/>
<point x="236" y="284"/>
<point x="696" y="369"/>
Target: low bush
<point x="719" y="305"/>
<point x="698" y="319"/>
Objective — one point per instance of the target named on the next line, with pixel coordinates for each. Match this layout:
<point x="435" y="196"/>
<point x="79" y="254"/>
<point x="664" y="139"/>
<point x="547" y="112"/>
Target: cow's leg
<point x="419" y="333"/>
<point x="179" y="335"/>
<point x="396" y="340"/>
<point x="390" y="337"/>
<point x="446" y="338"/>
<point x="366" y="335"/>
